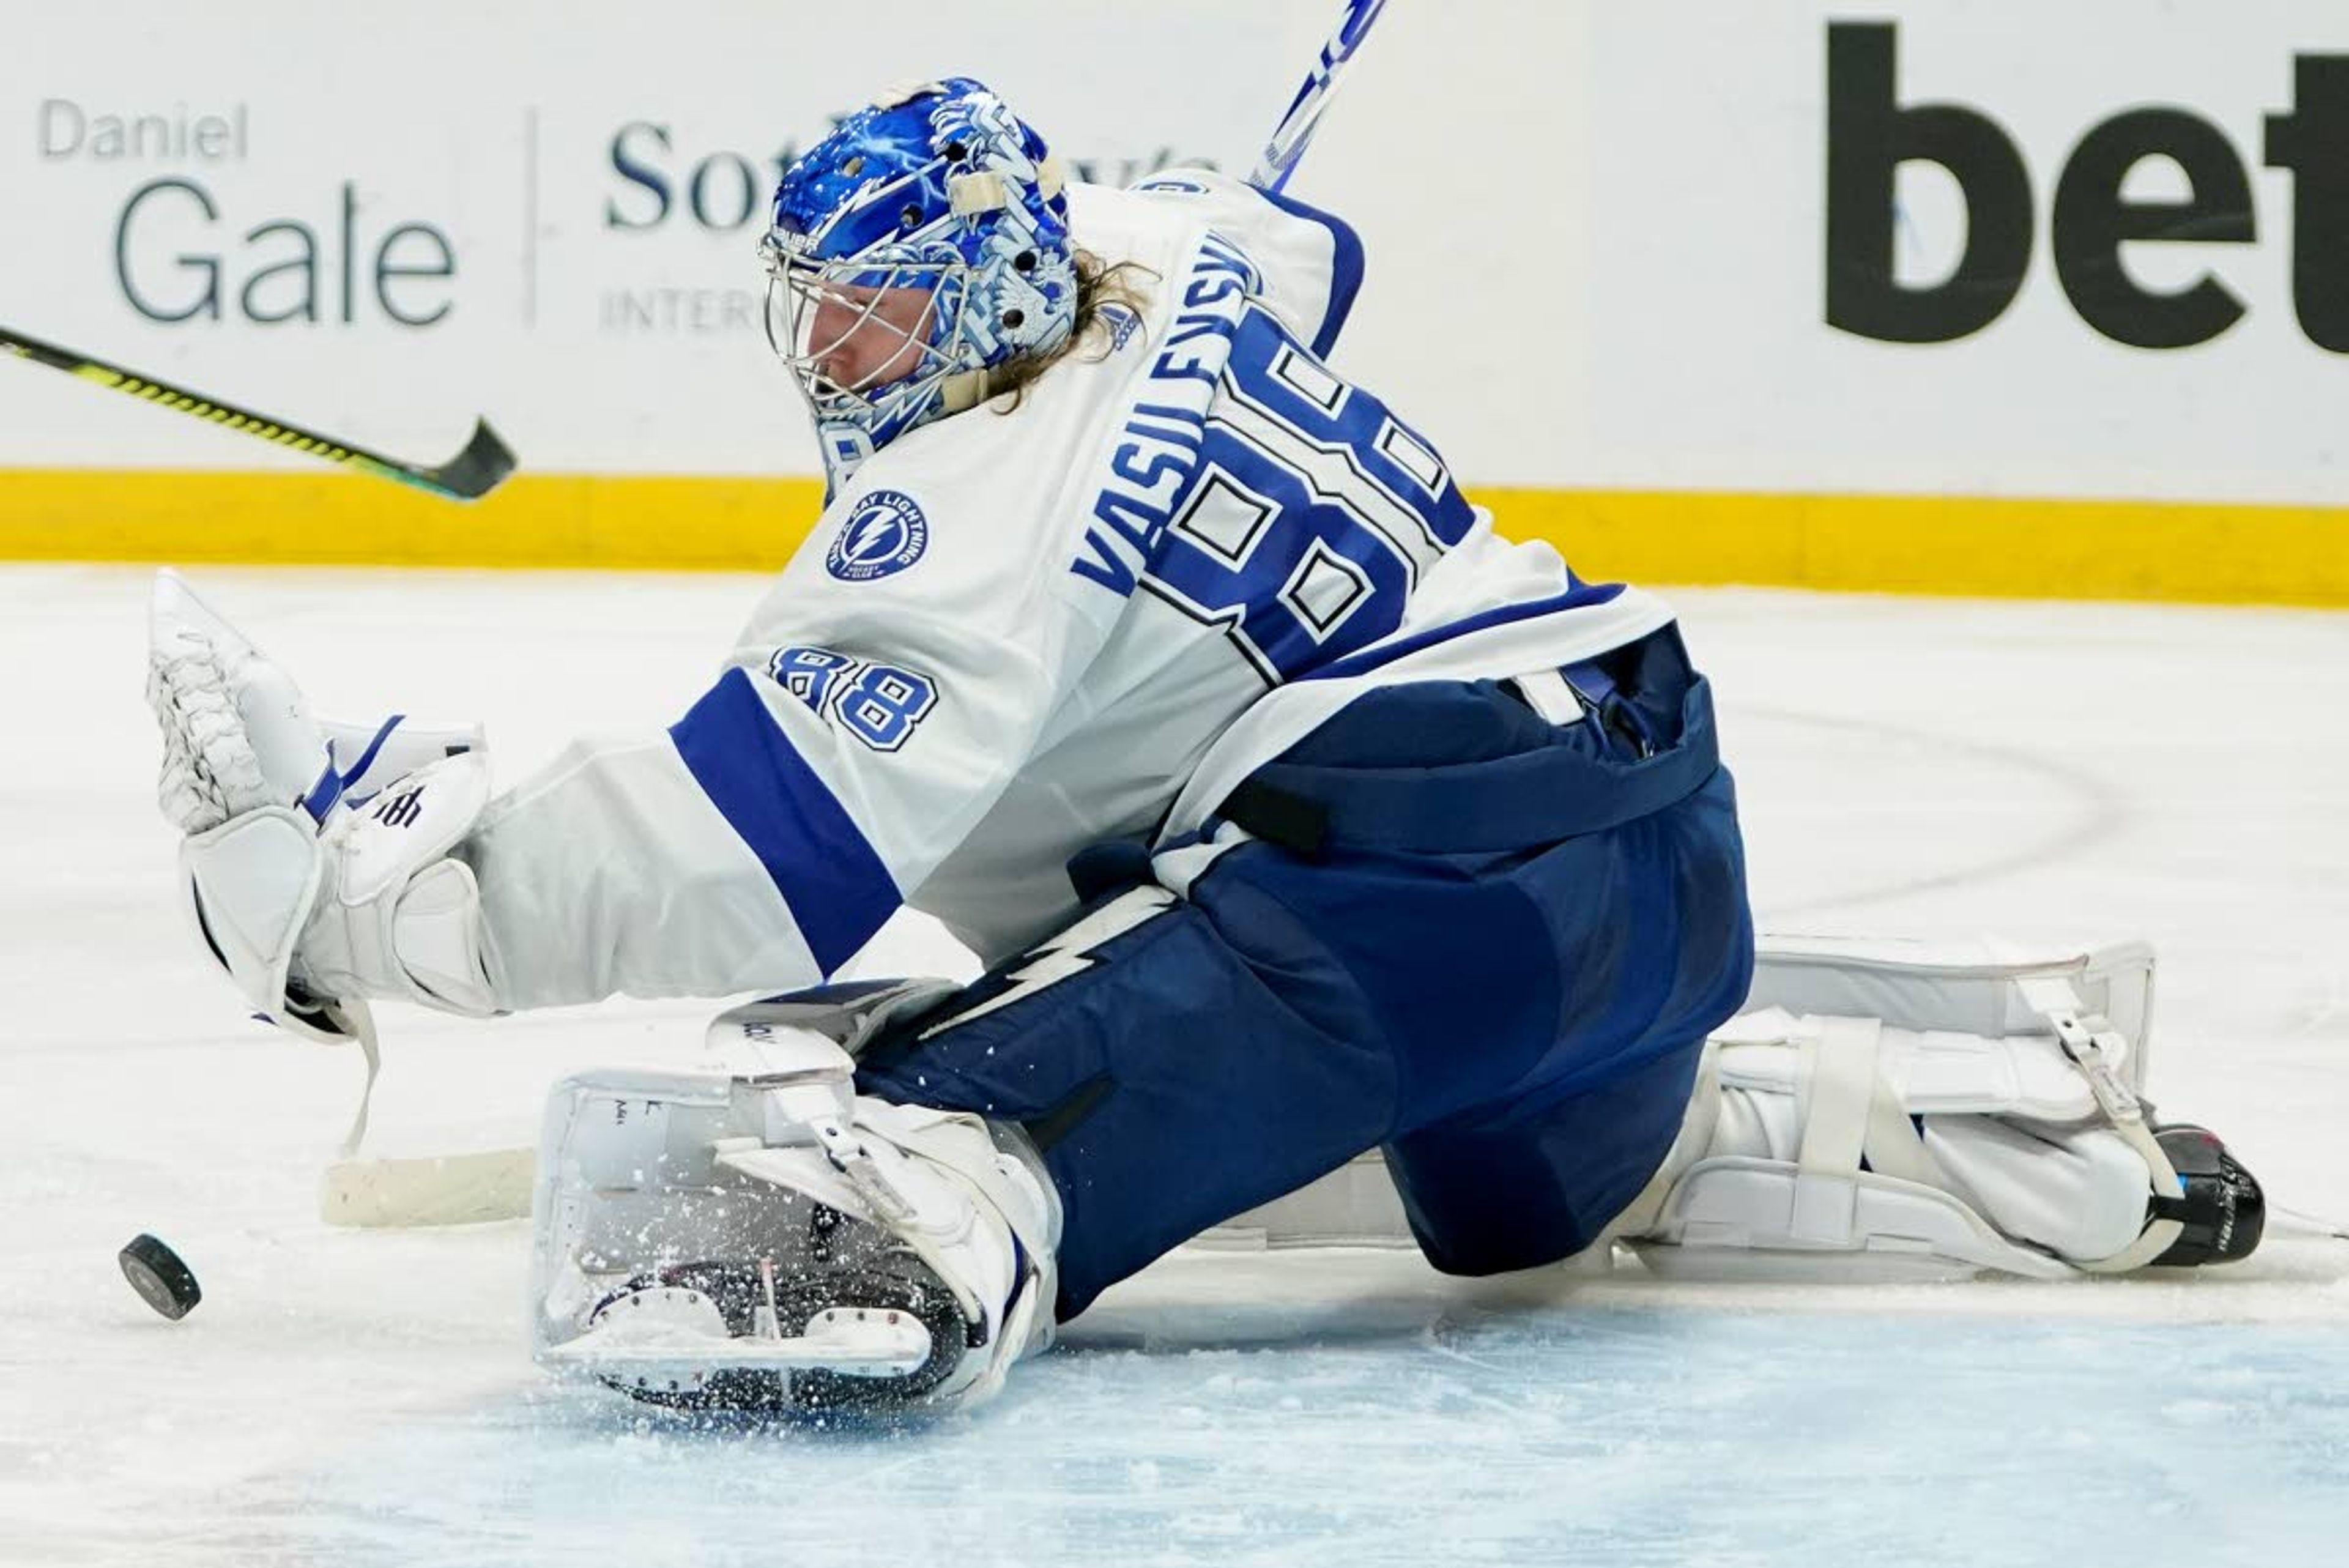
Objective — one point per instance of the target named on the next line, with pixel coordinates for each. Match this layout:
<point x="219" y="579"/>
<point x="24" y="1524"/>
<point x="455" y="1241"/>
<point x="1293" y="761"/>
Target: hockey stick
<point x="1305" y="111"/>
<point x="471" y="474"/>
<point x="437" y="1189"/>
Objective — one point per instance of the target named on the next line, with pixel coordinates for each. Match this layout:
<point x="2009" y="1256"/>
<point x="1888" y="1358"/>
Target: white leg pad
<point x="1353" y="1206"/>
<point x="1732" y="1218"/>
<point x="2022" y="1166"/>
<point x="1981" y="986"/>
<point x="1814" y="1167"/>
<point x="1981" y="1119"/>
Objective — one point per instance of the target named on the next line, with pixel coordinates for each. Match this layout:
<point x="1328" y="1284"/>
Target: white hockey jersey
<point x="1013" y="635"/>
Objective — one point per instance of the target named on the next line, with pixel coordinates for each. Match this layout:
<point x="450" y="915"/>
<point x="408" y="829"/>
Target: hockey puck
<point x="162" y="1280"/>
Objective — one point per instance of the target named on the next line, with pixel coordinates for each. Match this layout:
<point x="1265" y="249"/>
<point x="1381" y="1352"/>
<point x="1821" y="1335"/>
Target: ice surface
<point x="348" y="1397"/>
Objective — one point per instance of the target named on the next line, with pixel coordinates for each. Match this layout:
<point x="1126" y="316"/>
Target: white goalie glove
<point x="314" y="887"/>
<point x="753" y="1235"/>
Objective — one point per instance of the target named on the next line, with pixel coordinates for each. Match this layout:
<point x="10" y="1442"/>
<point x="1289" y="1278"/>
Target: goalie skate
<point x="844" y="1321"/>
<point x="754" y="1235"/>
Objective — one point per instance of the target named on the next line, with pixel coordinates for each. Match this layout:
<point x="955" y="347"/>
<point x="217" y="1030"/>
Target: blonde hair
<point x="1099" y="282"/>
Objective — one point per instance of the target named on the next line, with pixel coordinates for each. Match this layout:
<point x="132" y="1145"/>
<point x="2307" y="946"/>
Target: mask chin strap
<point x="966" y="389"/>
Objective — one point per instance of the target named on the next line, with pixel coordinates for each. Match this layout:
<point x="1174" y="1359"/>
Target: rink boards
<point x="1938" y="296"/>
<point x="2208" y="552"/>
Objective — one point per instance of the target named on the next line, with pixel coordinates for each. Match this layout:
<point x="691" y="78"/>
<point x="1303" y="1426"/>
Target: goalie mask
<point x="921" y="245"/>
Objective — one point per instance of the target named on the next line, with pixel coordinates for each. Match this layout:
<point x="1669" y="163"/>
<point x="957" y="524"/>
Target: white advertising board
<point x="2099" y="248"/>
<point x="2094" y="250"/>
<point x="381" y="221"/>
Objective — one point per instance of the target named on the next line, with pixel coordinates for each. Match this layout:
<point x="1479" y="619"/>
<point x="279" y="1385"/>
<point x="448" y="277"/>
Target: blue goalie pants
<point x="1491" y="944"/>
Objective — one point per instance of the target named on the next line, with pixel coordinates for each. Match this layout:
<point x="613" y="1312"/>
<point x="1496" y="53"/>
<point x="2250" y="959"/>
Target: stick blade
<point x="476" y="471"/>
<point x="445" y="1189"/>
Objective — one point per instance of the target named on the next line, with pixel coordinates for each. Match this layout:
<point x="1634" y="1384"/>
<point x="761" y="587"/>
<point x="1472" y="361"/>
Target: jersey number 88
<point x="880" y="704"/>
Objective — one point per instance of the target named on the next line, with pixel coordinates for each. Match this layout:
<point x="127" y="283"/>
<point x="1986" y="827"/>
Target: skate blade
<point x="675" y="1337"/>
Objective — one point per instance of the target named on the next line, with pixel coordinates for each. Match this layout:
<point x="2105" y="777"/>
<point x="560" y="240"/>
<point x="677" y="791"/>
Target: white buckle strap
<point x="981" y="191"/>
<point x="1854" y="1117"/>
<point x="1840" y="1070"/>
<point x="1547" y="695"/>
<point x="849" y="1156"/>
<point x="991" y="190"/>
<point x="2092" y="1051"/>
<point x="2092" y="1045"/>
<point x="906" y="92"/>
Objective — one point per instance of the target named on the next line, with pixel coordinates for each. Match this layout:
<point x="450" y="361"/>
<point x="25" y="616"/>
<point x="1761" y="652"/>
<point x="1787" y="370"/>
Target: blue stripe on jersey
<point x="836" y="887"/>
<point x="1580" y="597"/>
<point x="1346" y="268"/>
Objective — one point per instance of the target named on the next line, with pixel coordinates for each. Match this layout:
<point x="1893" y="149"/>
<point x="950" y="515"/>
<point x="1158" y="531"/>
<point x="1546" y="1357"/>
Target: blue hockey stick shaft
<point x="1305" y="111"/>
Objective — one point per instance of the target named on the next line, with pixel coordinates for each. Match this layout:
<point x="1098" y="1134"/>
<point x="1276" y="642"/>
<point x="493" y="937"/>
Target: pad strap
<point x="964" y="389"/>
<point x="1853" y="1115"/>
<point x="2092" y="1045"/>
<point x="991" y="190"/>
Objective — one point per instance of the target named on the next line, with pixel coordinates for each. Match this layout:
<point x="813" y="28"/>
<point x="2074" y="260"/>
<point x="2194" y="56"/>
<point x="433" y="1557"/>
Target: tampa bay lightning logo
<point x="884" y="534"/>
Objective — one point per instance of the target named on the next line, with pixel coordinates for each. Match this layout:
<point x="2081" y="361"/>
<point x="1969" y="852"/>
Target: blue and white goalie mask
<point x="915" y="249"/>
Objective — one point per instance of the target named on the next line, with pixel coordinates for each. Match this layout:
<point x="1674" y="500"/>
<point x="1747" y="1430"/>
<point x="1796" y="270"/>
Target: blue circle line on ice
<point x="884" y="534"/>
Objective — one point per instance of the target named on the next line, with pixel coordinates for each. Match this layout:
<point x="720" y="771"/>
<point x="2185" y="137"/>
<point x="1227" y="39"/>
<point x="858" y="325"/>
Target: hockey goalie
<point x="1296" y="812"/>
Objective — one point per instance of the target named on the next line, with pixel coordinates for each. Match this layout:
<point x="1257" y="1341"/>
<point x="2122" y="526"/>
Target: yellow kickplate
<point x="1996" y="546"/>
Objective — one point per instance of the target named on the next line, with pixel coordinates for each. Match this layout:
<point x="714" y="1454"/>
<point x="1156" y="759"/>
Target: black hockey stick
<point x="471" y="474"/>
